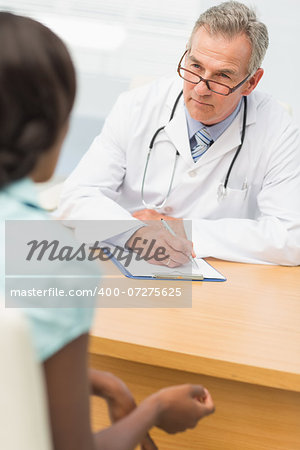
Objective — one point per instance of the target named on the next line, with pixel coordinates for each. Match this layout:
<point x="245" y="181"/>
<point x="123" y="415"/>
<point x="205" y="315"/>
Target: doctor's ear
<point x="253" y="82"/>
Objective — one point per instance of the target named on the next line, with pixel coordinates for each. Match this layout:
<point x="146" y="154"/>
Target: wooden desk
<point x="241" y="339"/>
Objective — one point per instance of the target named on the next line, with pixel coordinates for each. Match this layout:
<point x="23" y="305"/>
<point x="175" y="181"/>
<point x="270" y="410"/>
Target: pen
<point x="168" y="228"/>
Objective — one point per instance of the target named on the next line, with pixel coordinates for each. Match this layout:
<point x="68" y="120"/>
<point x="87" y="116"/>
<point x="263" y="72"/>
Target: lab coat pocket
<point x="233" y="202"/>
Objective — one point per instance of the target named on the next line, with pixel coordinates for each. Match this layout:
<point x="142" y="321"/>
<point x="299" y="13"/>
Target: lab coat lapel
<point x="177" y="131"/>
<point x="231" y="138"/>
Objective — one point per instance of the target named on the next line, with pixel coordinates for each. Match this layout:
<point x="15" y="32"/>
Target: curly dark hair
<point x="37" y="91"/>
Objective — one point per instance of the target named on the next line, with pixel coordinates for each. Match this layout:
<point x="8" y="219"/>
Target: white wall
<point x="114" y="42"/>
<point x="151" y="51"/>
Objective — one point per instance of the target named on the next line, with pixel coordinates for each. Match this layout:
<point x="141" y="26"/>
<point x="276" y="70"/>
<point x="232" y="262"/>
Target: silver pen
<point x="169" y="229"/>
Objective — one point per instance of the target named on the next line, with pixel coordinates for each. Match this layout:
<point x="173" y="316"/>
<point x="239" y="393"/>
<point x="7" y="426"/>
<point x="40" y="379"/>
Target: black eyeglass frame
<point x="230" y="90"/>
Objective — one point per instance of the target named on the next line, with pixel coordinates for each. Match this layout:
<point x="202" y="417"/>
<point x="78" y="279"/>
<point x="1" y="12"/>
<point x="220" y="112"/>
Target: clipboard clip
<point x="183" y="277"/>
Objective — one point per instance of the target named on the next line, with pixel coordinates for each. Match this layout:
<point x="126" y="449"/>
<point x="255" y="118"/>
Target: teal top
<point x="51" y="327"/>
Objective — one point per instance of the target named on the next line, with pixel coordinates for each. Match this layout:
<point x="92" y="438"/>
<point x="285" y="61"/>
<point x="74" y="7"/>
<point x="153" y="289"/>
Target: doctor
<point x="226" y="156"/>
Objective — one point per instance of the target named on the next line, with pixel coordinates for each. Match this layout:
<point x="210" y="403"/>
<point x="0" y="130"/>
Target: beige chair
<point x="23" y="408"/>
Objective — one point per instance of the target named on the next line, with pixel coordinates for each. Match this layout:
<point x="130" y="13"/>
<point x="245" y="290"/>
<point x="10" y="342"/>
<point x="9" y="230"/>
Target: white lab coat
<point x="259" y="219"/>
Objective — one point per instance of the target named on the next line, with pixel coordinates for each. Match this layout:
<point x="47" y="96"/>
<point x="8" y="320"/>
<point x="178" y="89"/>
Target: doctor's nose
<point x="201" y="88"/>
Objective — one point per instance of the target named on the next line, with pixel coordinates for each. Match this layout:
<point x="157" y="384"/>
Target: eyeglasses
<point x="214" y="86"/>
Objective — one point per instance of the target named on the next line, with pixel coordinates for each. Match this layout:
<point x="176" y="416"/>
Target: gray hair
<point x="232" y="18"/>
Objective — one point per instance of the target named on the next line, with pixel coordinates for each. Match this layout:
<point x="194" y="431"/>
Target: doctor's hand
<point x="151" y="214"/>
<point x="158" y="246"/>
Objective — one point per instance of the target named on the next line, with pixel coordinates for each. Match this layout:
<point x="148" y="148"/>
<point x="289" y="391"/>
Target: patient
<point x="37" y="90"/>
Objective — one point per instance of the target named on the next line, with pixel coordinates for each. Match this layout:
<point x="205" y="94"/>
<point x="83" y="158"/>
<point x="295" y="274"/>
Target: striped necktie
<point x="203" y="142"/>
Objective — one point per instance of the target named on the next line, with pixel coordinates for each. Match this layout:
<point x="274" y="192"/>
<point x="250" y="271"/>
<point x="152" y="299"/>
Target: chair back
<point x="23" y="406"/>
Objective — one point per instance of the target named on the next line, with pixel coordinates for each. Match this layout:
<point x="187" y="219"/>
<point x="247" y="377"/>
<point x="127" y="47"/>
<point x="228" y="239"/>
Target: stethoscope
<point x="222" y="189"/>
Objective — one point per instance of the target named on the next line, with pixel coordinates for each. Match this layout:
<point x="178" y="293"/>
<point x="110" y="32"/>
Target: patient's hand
<point x="120" y="401"/>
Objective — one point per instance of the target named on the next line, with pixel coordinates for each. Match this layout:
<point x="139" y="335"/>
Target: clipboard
<point x="142" y="270"/>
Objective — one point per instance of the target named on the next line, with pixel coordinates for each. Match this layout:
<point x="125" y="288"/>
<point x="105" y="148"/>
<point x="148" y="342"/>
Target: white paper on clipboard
<point x="140" y="268"/>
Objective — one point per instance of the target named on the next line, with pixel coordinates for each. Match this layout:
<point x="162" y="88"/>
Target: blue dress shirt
<point x="215" y="130"/>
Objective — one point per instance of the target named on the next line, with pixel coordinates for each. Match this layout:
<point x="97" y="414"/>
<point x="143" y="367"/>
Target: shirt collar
<point x="215" y="130"/>
<point x="24" y="191"/>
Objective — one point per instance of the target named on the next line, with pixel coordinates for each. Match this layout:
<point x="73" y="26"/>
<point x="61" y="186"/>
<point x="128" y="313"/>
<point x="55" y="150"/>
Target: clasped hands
<point x="164" y="248"/>
<point x="119" y="400"/>
<point x="178" y="407"/>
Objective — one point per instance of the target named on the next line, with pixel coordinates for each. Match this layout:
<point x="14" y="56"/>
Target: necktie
<point x="203" y="142"/>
